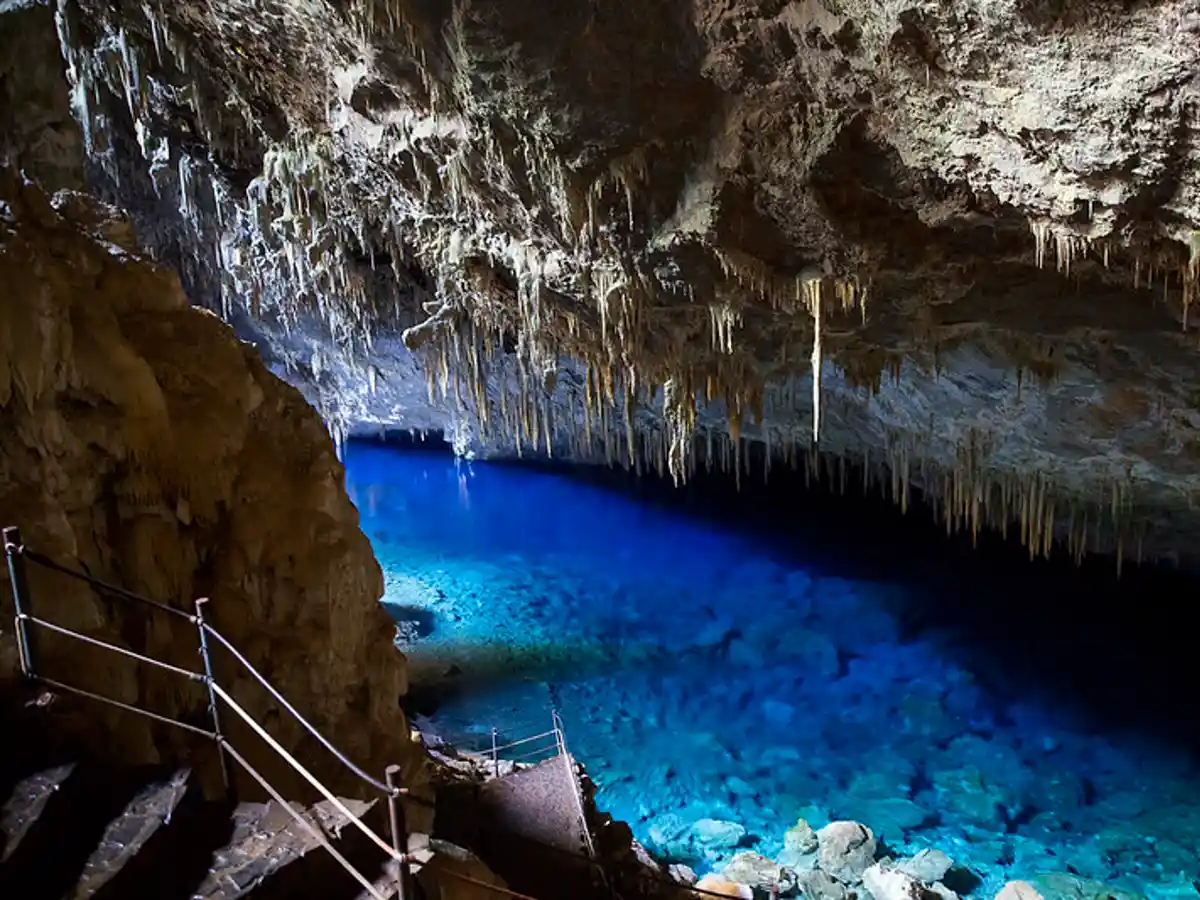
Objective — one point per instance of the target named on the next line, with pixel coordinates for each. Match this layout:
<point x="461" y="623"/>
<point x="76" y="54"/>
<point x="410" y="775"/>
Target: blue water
<point x="702" y="676"/>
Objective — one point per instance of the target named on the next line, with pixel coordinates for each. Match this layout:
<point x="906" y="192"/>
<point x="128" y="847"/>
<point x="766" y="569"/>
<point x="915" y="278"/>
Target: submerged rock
<point x="845" y="850"/>
<point x="818" y="885"/>
<point x="1067" y="886"/>
<point x="718" y="884"/>
<point x="926" y="866"/>
<point x="886" y="883"/>
<point x="759" y="872"/>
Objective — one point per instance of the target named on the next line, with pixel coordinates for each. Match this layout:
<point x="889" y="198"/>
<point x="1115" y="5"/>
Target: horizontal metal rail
<point x="308" y="776"/>
<point x="125" y="706"/>
<point x="532" y="753"/>
<point x="522" y="741"/>
<point x="48" y="563"/>
<point x="374" y="782"/>
<point x="58" y="629"/>
<point x="305" y="823"/>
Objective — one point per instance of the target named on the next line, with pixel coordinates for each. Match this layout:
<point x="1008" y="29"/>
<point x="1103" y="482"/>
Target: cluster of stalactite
<point x="544" y="322"/>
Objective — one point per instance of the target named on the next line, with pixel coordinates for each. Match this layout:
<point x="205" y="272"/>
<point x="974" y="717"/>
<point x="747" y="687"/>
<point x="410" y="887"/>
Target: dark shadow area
<point x="1116" y="652"/>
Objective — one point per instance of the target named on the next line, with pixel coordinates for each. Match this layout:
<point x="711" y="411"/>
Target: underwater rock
<point x="715" y="835"/>
<point x="845" y="850"/>
<point x="682" y="874"/>
<point x="812" y="650"/>
<point x="818" y="885"/>
<point x="1019" y="890"/>
<point x="759" y="872"/>
<point x="801" y="838"/>
<point x="1067" y="886"/>
<point x="886" y="883"/>
<point x="889" y="817"/>
<point x="965" y="792"/>
<point x="718" y="884"/>
<point x="926" y="866"/>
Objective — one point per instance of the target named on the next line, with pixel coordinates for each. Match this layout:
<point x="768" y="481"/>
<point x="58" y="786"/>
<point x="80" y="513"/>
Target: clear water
<point x="703" y="676"/>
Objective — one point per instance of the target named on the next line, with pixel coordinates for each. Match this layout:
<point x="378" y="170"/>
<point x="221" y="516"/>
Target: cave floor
<point x="717" y="691"/>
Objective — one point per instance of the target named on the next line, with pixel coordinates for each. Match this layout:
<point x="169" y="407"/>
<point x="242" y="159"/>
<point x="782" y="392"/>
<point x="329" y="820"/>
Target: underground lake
<point x="727" y="662"/>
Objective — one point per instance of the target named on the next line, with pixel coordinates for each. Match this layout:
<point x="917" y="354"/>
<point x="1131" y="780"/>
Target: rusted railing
<point x="18" y="555"/>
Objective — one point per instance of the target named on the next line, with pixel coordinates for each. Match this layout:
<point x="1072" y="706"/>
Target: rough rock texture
<point x="634" y="231"/>
<point x="37" y="132"/>
<point x="146" y="445"/>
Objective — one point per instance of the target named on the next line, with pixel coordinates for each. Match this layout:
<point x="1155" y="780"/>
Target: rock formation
<point x="952" y="243"/>
<point x="148" y="447"/>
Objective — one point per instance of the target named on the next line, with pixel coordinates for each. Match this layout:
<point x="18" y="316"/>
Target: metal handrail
<point x="308" y="776"/>
<point x="95" y="642"/>
<point x="17" y="554"/>
<point x="211" y="735"/>
<point x="308" y="826"/>
<point x="261" y="679"/>
<point x="48" y="563"/>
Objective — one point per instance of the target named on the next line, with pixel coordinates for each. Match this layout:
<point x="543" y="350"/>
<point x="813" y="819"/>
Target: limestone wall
<point x="145" y="444"/>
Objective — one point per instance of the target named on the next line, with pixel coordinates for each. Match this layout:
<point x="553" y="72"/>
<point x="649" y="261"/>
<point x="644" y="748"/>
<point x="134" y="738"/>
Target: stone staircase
<point x="77" y="829"/>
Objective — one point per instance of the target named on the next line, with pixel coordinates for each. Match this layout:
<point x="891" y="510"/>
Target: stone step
<point x="61" y="831"/>
<point x="127" y="834"/>
<point x="26" y="804"/>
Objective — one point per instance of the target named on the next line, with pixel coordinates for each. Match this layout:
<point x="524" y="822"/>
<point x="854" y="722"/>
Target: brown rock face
<point x="146" y="445"/>
<point x="957" y="241"/>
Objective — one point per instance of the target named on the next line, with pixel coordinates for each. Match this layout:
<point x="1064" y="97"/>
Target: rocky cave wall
<point x="149" y="447"/>
<point x="955" y="242"/>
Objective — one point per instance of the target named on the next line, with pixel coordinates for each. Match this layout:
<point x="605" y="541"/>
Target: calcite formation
<point x="950" y="245"/>
<point x="148" y="447"/>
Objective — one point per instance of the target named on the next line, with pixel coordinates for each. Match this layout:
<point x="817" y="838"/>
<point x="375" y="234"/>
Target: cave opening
<point x="730" y="659"/>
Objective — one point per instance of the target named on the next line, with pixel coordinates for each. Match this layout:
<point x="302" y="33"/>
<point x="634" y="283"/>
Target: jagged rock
<point x="718" y="884"/>
<point x="846" y="850"/>
<point x="760" y="873"/>
<point x="884" y="882"/>
<point x="38" y="135"/>
<point x="149" y="447"/>
<point x="799" y="847"/>
<point x="926" y="866"/>
<point x="818" y="885"/>
<point x="1066" y="886"/>
<point x="681" y="874"/>
<point x="718" y="834"/>
<point x="1018" y="890"/>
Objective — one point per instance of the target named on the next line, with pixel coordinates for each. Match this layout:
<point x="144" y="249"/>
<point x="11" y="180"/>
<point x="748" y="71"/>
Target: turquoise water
<point x="704" y="673"/>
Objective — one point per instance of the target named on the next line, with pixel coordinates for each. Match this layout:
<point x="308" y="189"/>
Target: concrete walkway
<point x="539" y="803"/>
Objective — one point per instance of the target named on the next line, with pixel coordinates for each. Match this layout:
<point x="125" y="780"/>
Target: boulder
<point x="681" y="873"/>
<point x="799" y="847"/>
<point x="926" y="866"/>
<point x="886" y="883"/>
<point x="1067" y="886"/>
<point x="715" y="834"/>
<point x="818" y="885"/>
<point x="759" y="872"/>
<point x="1019" y="890"/>
<point x="845" y="850"/>
<point x="719" y="884"/>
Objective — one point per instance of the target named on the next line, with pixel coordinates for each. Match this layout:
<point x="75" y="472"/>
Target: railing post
<point x="212" y="699"/>
<point x="495" y="756"/>
<point x="22" y="601"/>
<point x="399" y="834"/>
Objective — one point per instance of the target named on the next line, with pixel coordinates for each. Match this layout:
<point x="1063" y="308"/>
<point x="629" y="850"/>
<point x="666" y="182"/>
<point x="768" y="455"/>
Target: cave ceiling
<point x="956" y="241"/>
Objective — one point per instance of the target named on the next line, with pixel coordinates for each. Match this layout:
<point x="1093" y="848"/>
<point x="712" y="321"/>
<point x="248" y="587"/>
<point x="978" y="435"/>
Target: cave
<point x="666" y="450"/>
